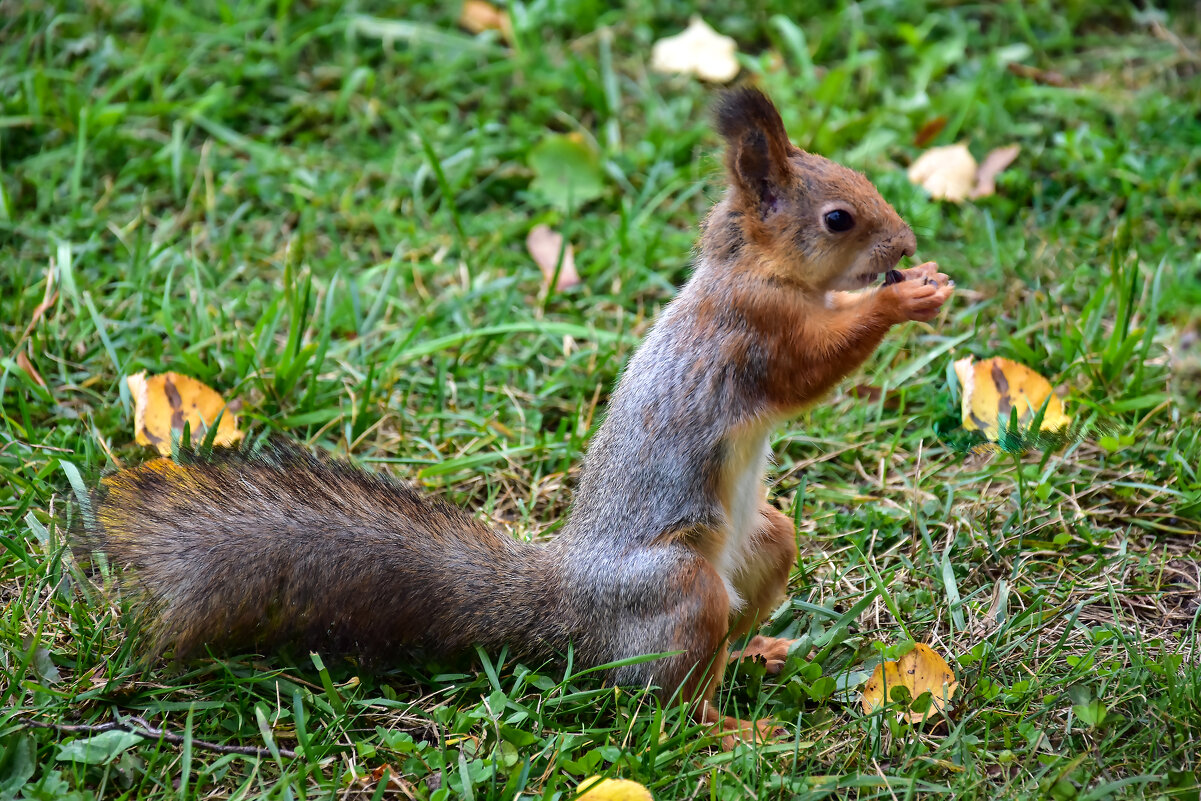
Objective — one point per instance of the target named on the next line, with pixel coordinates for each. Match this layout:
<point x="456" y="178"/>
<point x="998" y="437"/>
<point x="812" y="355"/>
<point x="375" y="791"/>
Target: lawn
<point x="321" y="209"/>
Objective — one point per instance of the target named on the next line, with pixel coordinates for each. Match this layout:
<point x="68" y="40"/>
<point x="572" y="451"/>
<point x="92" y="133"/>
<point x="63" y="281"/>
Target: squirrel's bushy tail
<point x="241" y="550"/>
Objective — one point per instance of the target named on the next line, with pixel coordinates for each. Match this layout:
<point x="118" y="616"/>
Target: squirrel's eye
<point x="839" y="220"/>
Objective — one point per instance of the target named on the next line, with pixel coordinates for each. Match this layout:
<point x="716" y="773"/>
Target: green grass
<point x="331" y="226"/>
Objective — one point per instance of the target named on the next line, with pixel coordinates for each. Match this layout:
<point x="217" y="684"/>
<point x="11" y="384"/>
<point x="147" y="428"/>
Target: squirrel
<point x="670" y="547"/>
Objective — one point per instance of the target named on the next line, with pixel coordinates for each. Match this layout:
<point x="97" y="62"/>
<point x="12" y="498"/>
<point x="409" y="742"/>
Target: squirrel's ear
<point x="757" y="146"/>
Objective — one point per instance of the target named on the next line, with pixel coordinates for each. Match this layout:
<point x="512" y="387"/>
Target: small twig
<point x="142" y="728"/>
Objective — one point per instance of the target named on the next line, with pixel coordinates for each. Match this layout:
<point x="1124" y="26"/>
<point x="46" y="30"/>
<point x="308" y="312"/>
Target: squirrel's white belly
<point x="742" y="494"/>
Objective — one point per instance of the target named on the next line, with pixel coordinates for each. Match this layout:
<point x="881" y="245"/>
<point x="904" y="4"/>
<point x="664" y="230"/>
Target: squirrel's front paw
<point x="922" y="293"/>
<point x="927" y="269"/>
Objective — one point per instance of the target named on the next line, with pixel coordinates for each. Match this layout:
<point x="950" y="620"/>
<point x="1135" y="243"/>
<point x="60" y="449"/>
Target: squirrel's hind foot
<point x="735" y="730"/>
<point x="772" y="651"/>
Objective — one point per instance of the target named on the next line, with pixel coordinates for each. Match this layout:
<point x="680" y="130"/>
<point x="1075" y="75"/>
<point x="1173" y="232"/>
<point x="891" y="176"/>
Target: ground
<point x="322" y="209"/>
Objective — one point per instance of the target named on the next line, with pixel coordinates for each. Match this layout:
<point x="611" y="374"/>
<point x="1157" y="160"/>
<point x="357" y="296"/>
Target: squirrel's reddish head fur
<point x="795" y="216"/>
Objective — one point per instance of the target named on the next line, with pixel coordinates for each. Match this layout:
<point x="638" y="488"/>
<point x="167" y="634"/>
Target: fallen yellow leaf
<point x="875" y="693"/>
<point x="698" y="50"/>
<point x="163" y="403"/>
<point x="921" y="670"/>
<point x="948" y="173"/>
<point x="992" y="388"/>
<point x="597" y="789"/>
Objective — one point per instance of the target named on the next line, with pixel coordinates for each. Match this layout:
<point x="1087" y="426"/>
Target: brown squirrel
<point x="670" y="545"/>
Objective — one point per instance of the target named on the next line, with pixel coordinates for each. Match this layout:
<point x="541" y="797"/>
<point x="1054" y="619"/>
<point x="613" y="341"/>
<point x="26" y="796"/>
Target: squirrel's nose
<point x="908" y="242"/>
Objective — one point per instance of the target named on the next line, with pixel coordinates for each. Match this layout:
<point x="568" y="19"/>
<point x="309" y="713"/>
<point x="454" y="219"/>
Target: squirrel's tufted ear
<point x="757" y="145"/>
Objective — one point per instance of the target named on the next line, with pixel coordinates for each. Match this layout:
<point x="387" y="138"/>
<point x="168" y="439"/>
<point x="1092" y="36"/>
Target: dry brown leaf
<point x="1047" y="77"/>
<point x="391" y="779"/>
<point x="163" y="403"/>
<point x="921" y="670"/>
<point x="597" y="789"/>
<point x="698" y="50"/>
<point x="867" y="392"/>
<point x="990" y="389"/>
<point x="874" y="394"/>
<point x="927" y="132"/>
<point x="993" y="165"/>
<point x="947" y="173"/>
<point x="26" y="365"/>
<point x="545" y="245"/>
<point x="478" y="16"/>
<point x="47" y="302"/>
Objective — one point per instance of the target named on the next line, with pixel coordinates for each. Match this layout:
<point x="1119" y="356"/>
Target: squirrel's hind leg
<point x="763" y="582"/>
<point x="692" y="617"/>
<point x="670" y="599"/>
